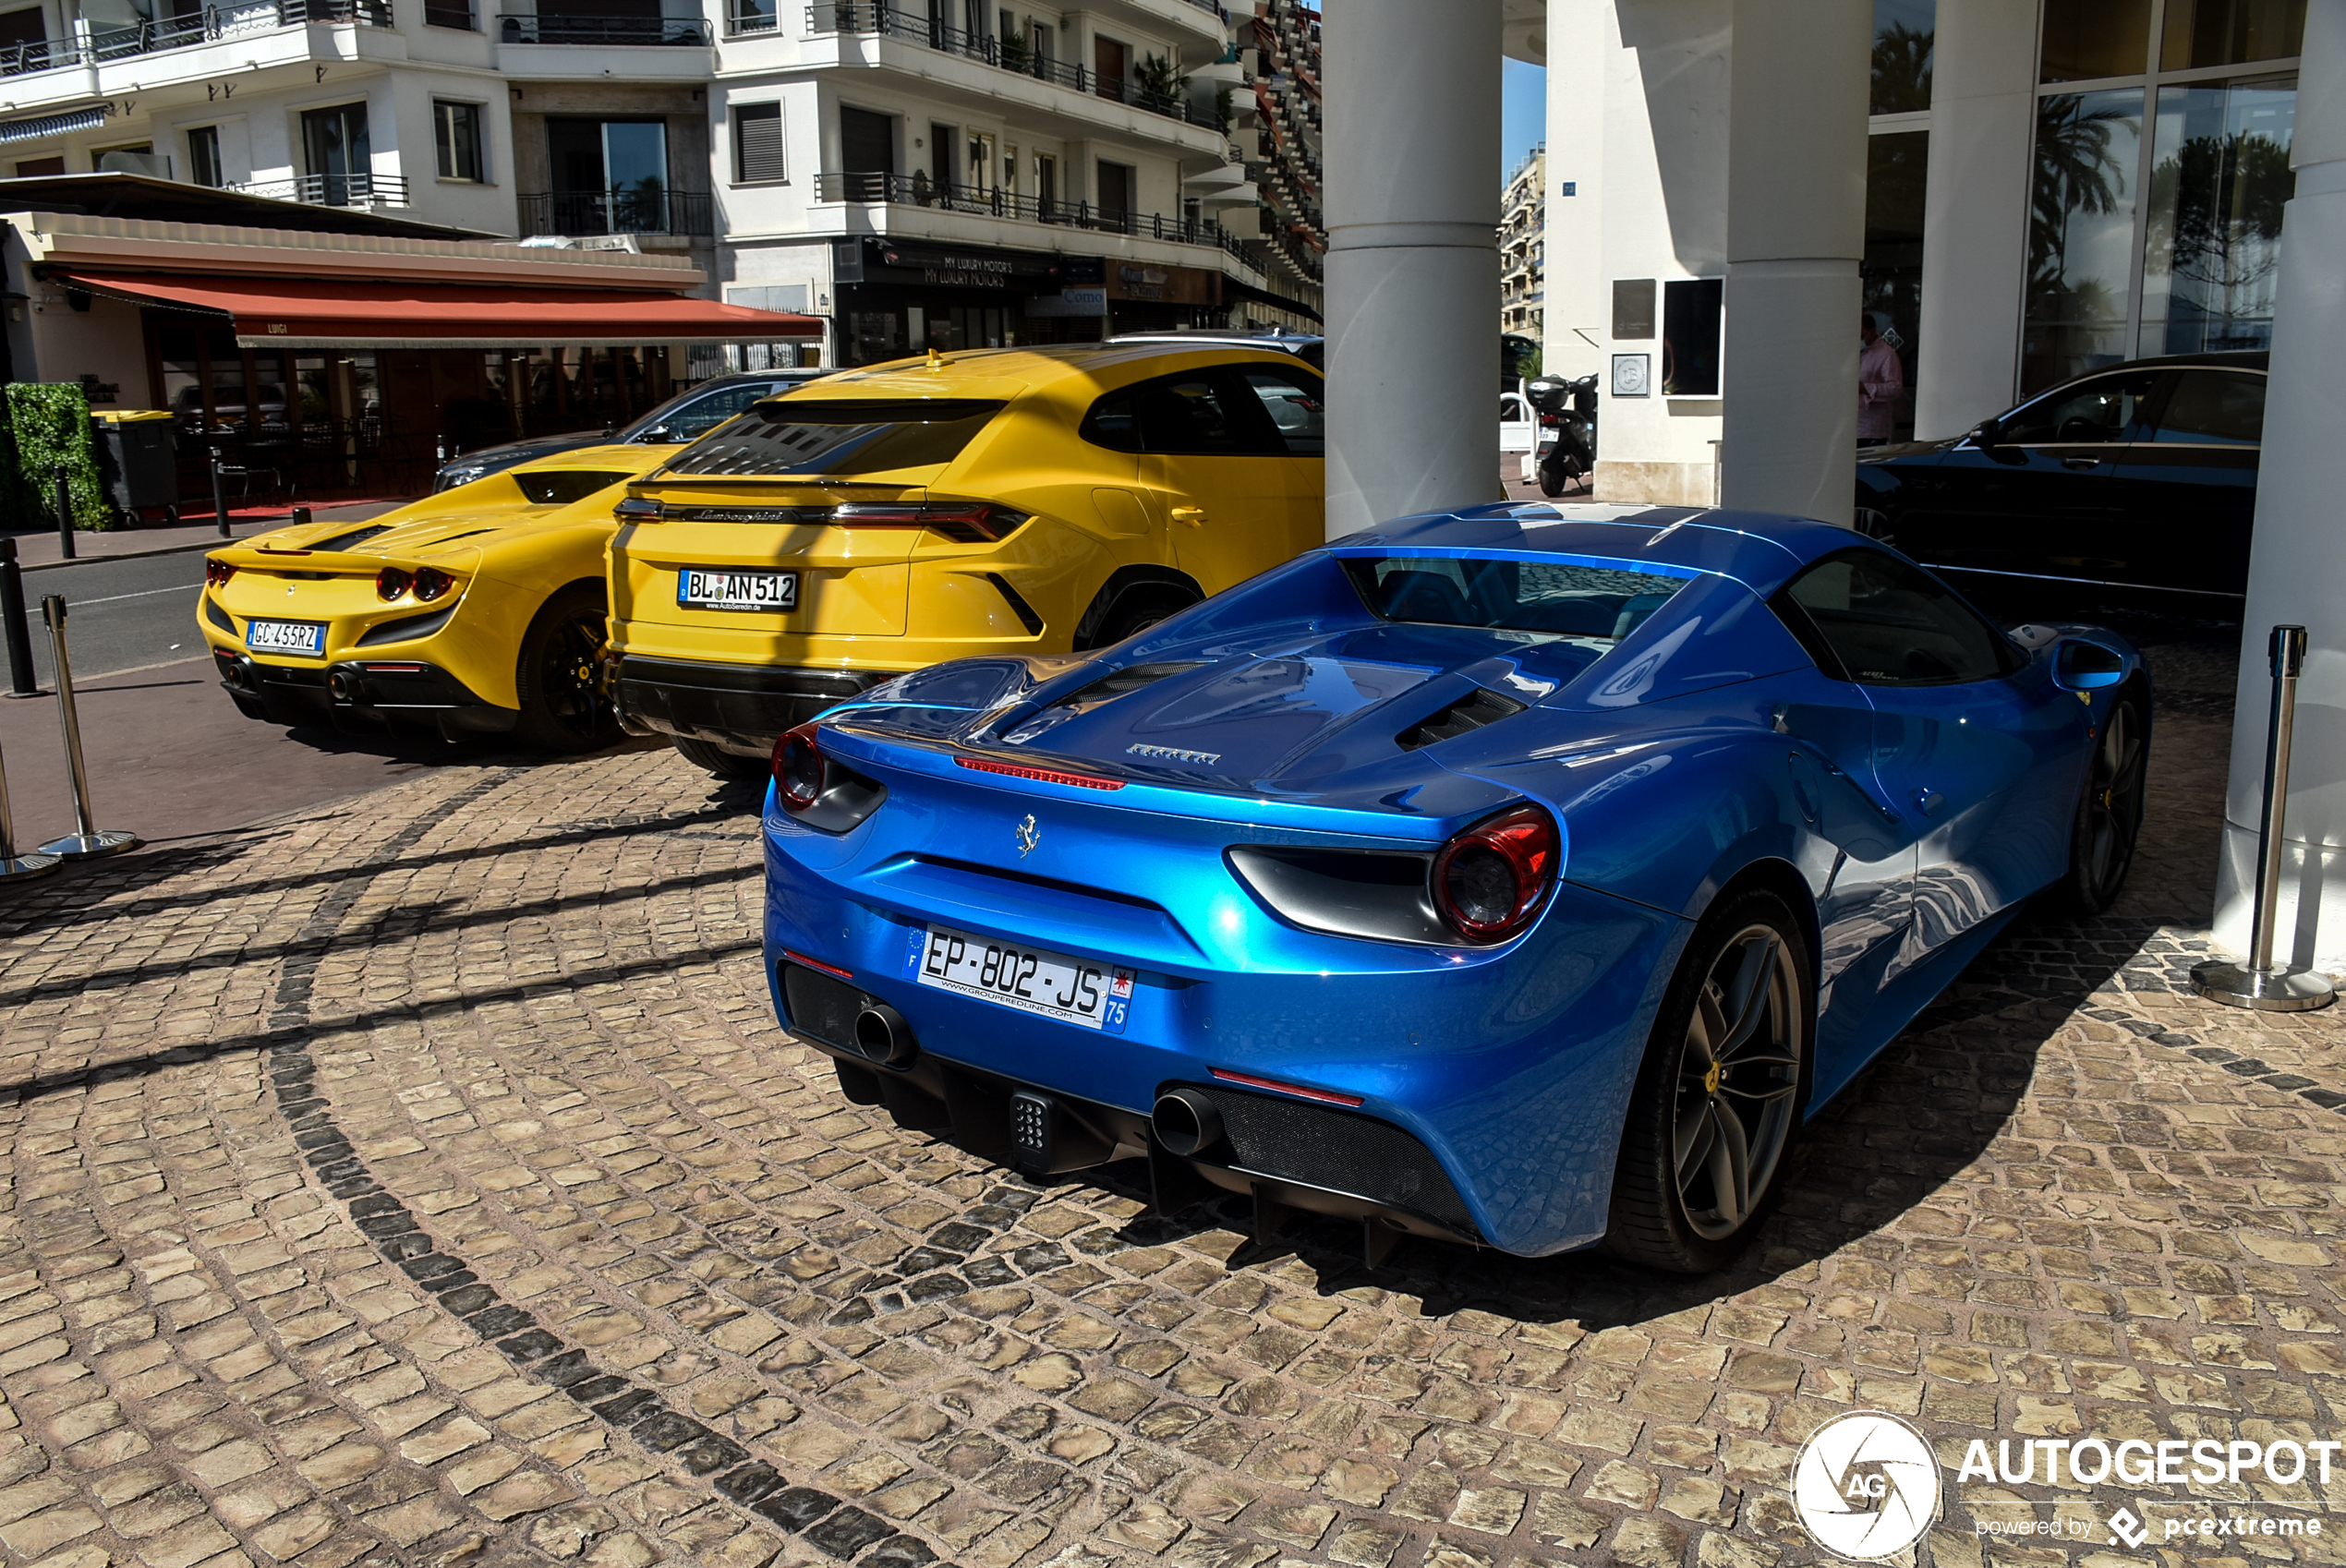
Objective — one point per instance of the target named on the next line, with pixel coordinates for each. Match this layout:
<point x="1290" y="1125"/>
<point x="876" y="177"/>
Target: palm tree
<point x="1901" y="69"/>
<point x="2078" y="173"/>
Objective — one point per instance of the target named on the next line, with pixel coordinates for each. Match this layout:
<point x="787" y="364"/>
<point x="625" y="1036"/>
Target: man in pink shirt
<point x="1881" y="381"/>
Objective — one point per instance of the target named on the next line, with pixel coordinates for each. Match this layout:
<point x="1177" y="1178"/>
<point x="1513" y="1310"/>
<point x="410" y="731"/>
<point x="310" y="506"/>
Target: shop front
<point x="901" y="297"/>
<point x="318" y="367"/>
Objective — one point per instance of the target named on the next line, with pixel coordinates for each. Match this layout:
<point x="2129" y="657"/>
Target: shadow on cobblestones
<point x="92" y="899"/>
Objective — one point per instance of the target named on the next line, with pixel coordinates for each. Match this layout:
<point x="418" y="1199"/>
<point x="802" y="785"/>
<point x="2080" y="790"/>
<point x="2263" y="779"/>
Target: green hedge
<point x="51" y="424"/>
<point x="14" y="515"/>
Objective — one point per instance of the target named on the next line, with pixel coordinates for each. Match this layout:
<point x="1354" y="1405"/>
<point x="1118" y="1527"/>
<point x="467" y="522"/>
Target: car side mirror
<point x="657" y="433"/>
<point x="2081" y="666"/>
<point x="1987" y="432"/>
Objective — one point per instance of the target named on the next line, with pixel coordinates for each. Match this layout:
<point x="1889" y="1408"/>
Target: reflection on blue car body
<point x="1523" y="877"/>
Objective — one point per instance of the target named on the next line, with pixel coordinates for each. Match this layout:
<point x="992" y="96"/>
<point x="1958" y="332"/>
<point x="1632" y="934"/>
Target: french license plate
<point x="708" y="587"/>
<point x="286" y="636"/>
<point x="1033" y="979"/>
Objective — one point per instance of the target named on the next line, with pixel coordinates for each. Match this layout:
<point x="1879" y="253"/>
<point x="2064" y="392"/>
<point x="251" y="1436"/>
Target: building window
<point x="1116" y="193"/>
<point x="341" y="157"/>
<point x="2156" y="209"/>
<point x="456" y="136"/>
<point x="203" y="156"/>
<point x="610" y="178"/>
<point x="758" y="144"/>
<point x="1904" y="31"/>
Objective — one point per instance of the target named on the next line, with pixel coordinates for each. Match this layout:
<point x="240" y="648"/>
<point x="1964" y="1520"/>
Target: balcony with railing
<point x="209" y="25"/>
<point x="1009" y="54"/>
<point x="580" y="214"/>
<point x="919" y="191"/>
<point x="623" y="33"/>
<point x="332" y="190"/>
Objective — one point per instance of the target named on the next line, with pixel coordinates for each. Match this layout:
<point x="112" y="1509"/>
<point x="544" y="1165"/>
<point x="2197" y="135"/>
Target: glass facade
<point x="2220" y="176"/>
<point x="2161" y="168"/>
<point x="1897" y="170"/>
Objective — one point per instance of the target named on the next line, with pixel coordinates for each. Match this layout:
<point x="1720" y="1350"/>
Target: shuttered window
<point x="757" y="143"/>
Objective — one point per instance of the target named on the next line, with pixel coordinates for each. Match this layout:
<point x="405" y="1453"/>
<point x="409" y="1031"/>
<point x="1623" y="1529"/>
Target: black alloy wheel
<point x="2109" y="811"/>
<point x="1721" y="1094"/>
<point x="561" y="676"/>
<point x="1137" y="610"/>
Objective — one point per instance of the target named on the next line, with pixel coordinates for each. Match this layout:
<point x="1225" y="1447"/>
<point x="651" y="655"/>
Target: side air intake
<point x="1472" y="711"/>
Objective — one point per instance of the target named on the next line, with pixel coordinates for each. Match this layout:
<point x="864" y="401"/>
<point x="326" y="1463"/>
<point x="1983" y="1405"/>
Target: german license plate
<point x="709" y="587"/>
<point x="286" y="636"/>
<point x="1033" y="979"/>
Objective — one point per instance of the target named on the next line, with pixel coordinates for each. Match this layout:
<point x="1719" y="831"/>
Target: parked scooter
<point x="1568" y="411"/>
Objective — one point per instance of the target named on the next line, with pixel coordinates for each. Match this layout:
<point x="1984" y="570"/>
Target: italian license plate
<point x="1033" y="979"/>
<point x="708" y="587"/>
<point x="286" y="636"/>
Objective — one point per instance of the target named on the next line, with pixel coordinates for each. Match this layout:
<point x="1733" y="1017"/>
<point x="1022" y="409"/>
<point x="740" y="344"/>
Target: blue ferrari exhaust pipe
<point x="883" y="1037"/>
<point x="1186" y="1122"/>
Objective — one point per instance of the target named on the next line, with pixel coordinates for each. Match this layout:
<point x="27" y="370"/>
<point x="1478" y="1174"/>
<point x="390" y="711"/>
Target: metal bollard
<point x="15" y="867"/>
<point x="88" y="842"/>
<point x="22" y="680"/>
<point x="65" y="516"/>
<point x="219" y="496"/>
<point x="2260" y="983"/>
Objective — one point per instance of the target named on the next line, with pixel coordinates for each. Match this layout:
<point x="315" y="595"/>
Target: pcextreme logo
<point x="1866" y="1485"/>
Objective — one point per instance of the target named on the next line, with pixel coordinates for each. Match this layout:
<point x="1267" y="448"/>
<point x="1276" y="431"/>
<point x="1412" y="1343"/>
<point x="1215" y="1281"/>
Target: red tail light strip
<point x="1047" y="774"/>
<point x="1326" y="1096"/>
<point x="817" y="963"/>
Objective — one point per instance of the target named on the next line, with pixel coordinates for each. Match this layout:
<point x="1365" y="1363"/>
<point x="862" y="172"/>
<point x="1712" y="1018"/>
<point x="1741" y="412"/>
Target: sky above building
<point x="1523" y="113"/>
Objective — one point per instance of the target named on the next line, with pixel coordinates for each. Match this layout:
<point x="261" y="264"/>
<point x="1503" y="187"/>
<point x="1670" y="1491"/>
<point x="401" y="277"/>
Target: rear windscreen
<point x="835" y="435"/>
<point x="560" y="486"/>
<point x="1556" y="598"/>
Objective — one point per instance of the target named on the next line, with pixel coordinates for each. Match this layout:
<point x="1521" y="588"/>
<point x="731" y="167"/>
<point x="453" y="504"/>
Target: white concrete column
<point x="1797" y="86"/>
<point x="1576" y="313"/>
<point x="1411" y="155"/>
<point x="2299" y="555"/>
<point x="1974" y="224"/>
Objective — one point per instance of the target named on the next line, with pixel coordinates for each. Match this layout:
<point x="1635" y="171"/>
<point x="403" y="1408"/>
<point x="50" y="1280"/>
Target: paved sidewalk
<point x="430" y="1184"/>
<point x="39" y="549"/>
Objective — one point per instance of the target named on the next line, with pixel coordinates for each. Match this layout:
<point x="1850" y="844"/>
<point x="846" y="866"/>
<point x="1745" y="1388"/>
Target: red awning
<point x="326" y="313"/>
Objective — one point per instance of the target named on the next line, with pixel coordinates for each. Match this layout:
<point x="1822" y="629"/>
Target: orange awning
<point x="329" y="313"/>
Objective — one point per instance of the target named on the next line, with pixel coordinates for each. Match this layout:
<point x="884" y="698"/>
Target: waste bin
<point x="138" y="461"/>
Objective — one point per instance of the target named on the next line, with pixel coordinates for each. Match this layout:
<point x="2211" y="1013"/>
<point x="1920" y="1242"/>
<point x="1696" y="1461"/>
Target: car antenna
<point x="936" y="360"/>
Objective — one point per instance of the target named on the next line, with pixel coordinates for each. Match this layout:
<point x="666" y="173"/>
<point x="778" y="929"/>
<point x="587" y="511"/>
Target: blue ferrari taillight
<point x="819" y="791"/>
<point x="1489" y="880"/>
<point x="798" y="769"/>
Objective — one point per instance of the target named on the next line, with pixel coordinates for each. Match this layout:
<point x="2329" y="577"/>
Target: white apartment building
<point x="1523" y="234"/>
<point x="950" y="173"/>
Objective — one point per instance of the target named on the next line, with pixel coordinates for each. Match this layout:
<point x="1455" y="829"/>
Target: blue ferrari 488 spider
<point x="1523" y="877"/>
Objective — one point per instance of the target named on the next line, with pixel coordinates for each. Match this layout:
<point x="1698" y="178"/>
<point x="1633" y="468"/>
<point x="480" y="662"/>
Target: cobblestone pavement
<point x="426" y="1180"/>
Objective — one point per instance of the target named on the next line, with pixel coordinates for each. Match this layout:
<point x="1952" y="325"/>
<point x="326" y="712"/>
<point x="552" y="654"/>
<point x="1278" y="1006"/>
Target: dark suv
<point x="683" y="417"/>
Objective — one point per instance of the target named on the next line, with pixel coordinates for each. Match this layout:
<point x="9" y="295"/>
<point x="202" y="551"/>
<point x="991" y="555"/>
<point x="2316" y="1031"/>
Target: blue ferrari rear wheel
<point x="1722" y="1090"/>
<point x="2110" y="812"/>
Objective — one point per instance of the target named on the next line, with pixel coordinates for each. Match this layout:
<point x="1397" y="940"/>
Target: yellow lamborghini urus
<point x="1001" y="500"/>
<point x="477" y="610"/>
